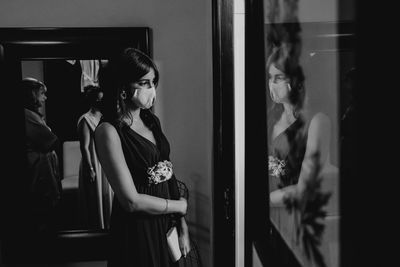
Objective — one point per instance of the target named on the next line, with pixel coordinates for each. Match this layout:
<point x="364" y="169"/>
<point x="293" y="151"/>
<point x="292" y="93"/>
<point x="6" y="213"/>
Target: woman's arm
<point x="111" y="156"/>
<point x="84" y="141"/>
<point x="318" y="142"/>
<point x="40" y="136"/>
<point x="184" y="240"/>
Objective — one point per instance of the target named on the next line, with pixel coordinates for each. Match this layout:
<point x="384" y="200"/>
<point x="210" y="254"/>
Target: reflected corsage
<point x="276" y="166"/>
<point x="160" y="172"/>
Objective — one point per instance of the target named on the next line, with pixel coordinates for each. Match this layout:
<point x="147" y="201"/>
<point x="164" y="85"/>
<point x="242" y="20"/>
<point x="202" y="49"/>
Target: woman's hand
<point x="92" y="175"/>
<point x="184" y="241"/>
<point x="280" y="196"/>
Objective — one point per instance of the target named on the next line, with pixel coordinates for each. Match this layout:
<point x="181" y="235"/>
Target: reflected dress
<point x="286" y="154"/>
<point x="94" y="197"/>
<point x="138" y="238"/>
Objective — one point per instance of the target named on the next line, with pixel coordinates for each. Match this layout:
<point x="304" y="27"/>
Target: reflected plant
<point x="309" y="213"/>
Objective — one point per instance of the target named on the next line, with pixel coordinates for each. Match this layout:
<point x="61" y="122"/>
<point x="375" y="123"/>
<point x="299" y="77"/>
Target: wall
<point x="182" y="46"/>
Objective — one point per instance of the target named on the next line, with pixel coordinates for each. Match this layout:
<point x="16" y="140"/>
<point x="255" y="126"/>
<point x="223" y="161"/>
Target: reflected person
<point x="95" y="193"/>
<point x="295" y="135"/>
<point x="42" y="162"/>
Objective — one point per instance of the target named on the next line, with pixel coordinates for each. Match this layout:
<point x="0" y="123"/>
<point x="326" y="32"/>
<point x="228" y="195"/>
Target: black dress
<point x="137" y="238"/>
<point x="286" y="154"/>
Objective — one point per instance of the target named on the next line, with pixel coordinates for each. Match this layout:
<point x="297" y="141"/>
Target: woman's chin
<point x="147" y="106"/>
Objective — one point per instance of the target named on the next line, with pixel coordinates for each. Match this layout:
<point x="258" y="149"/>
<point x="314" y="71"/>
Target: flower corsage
<point x="160" y="172"/>
<point x="276" y="167"/>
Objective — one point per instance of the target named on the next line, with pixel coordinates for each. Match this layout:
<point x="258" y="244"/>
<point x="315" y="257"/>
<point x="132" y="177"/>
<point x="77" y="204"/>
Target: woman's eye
<point x="145" y="84"/>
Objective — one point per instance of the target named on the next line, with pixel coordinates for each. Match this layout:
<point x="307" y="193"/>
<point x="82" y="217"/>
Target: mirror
<point x="83" y="204"/>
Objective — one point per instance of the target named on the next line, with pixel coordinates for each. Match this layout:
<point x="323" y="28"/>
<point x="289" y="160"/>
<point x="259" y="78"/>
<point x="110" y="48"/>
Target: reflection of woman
<point x="294" y="137"/>
<point x="43" y="168"/>
<point x="94" y="190"/>
<point x="134" y="153"/>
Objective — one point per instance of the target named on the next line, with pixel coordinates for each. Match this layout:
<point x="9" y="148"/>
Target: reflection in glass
<point x="44" y="181"/>
<point x="302" y="60"/>
<point x="71" y="111"/>
<point x="95" y="193"/>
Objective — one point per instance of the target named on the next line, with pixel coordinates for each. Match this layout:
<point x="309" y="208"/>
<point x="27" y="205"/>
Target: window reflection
<point x="305" y="70"/>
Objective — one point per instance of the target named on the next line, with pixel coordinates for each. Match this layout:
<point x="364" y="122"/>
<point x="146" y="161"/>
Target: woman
<point x="298" y="140"/>
<point x="134" y="153"/>
<point x="42" y="161"/>
<point x="95" y="194"/>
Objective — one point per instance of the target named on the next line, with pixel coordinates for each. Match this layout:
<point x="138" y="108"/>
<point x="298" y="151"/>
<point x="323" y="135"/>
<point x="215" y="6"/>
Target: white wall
<point x="182" y="44"/>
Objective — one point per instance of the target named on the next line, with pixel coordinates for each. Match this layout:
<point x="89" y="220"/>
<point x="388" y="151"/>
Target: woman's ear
<point x="123" y="94"/>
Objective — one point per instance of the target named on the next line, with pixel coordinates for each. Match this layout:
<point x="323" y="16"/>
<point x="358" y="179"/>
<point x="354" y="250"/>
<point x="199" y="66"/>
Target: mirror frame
<point x="17" y="44"/>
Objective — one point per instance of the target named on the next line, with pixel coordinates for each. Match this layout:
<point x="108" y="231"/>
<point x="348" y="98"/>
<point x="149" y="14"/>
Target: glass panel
<point x="309" y="77"/>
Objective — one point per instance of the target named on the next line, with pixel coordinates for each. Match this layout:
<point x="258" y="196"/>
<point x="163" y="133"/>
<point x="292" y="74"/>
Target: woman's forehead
<point x="274" y="71"/>
<point x="150" y="75"/>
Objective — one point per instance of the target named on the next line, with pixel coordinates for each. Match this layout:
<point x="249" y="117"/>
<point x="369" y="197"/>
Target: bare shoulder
<point x="106" y="131"/>
<point x="320" y="120"/>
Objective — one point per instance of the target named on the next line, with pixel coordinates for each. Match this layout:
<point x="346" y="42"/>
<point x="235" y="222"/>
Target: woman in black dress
<point x="296" y="135"/>
<point x="134" y="154"/>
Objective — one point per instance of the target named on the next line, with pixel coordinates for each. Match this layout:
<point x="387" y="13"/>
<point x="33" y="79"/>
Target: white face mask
<point x="279" y="92"/>
<point x="144" y="98"/>
<point x="278" y="85"/>
<point x="145" y="91"/>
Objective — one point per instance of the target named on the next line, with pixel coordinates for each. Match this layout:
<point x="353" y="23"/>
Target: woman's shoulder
<point x="106" y="130"/>
<point x="319" y="125"/>
<point x="81" y="119"/>
<point x="320" y="119"/>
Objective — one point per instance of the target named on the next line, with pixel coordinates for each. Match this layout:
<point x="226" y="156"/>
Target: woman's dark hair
<point x="91" y="93"/>
<point x="30" y="87"/>
<point x="290" y="66"/>
<point x="116" y="76"/>
<point x="286" y="61"/>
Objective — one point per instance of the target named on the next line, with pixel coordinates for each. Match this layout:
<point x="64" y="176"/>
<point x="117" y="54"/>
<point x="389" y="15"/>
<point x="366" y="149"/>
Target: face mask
<point x="144" y="98"/>
<point x="279" y="92"/>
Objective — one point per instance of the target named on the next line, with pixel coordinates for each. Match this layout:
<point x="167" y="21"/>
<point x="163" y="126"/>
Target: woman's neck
<point x="288" y="113"/>
<point x="95" y="112"/>
<point x="135" y="113"/>
<point x="133" y="117"/>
